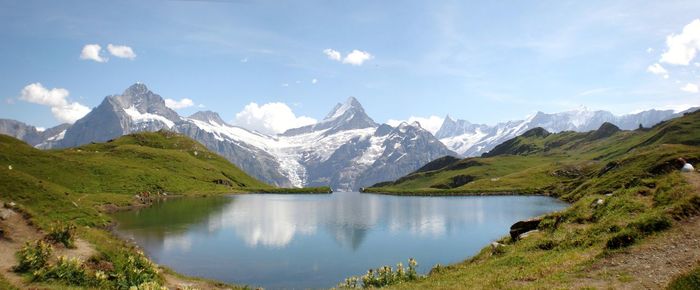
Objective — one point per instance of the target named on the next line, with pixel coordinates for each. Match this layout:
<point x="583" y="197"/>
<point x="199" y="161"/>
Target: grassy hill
<point x="624" y="186"/>
<point x="70" y="183"/>
<point x="541" y="162"/>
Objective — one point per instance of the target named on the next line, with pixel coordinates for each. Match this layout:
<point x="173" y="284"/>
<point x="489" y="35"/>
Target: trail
<point x="19" y="231"/>
<point x="655" y="262"/>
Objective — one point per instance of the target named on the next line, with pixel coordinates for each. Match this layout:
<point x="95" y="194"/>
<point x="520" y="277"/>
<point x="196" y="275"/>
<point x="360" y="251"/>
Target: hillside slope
<point x="626" y="193"/>
<point x="156" y="162"/>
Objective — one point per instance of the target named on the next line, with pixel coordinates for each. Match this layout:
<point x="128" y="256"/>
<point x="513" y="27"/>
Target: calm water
<point x="312" y="241"/>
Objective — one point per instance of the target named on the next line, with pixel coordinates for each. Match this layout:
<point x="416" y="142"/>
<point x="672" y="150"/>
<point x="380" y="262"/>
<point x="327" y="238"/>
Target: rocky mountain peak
<point x="347" y="116"/>
<point x="351" y="106"/>
<point x="208" y="116"/>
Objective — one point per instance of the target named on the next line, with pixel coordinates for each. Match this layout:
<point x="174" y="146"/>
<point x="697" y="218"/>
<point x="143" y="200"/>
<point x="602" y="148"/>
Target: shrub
<point x="622" y="239"/>
<point x="62" y="233"/>
<point x="148" y="286"/>
<point x="384" y="276"/>
<point x="135" y="269"/>
<point x="69" y="271"/>
<point x="33" y="257"/>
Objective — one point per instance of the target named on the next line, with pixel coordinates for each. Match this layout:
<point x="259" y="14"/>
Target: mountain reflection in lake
<point x="302" y="241"/>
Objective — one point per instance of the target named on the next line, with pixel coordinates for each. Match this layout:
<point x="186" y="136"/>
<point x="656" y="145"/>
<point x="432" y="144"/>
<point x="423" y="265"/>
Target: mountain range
<point x="470" y="140"/>
<point x="347" y="150"/>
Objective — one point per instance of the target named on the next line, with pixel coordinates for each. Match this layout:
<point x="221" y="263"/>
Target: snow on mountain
<point x="346" y="150"/>
<point x="470" y="139"/>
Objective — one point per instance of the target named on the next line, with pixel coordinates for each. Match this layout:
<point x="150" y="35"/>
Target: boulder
<point x="687" y="168"/>
<point x="522" y="227"/>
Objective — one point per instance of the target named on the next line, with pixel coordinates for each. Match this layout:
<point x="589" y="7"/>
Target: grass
<point x="623" y="187"/>
<point x="690" y="280"/>
<point x="76" y="185"/>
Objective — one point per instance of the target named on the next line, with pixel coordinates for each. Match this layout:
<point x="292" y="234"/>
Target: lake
<point x="316" y="241"/>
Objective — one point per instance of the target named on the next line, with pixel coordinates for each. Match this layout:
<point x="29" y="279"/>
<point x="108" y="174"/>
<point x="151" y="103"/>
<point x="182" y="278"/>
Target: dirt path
<point x="19" y="232"/>
<point x="654" y="263"/>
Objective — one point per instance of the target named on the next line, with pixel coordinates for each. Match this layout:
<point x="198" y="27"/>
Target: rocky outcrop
<point x="522" y="227"/>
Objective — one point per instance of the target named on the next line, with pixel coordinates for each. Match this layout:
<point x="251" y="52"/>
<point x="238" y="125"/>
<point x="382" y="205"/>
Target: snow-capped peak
<point x="340" y="109"/>
<point x="209" y="117"/>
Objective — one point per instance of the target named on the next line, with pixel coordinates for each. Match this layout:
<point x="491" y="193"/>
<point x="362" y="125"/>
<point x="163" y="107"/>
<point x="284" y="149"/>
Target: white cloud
<point x="432" y="123"/>
<point x="270" y="118"/>
<point x="314" y="81"/>
<point x="55" y="98"/>
<point x="285" y="84"/>
<point x="92" y="52"/>
<point x="691" y="88"/>
<point x="69" y="113"/>
<point x="682" y="48"/>
<point x="201" y="106"/>
<point x="181" y="104"/>
<point x="657" y="69"/>
<point x="121" y="51"/>
<point x="332" y="54"/>
<point x="244" y="60"/>
<point x="38" y="94"/>
<point x="357" y="57"/>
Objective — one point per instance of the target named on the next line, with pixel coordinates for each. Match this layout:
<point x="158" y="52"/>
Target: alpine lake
<point x="317" y="240"/>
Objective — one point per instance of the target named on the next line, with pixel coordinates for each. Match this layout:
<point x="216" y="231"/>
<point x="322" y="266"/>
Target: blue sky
<point x="485" y="61"/>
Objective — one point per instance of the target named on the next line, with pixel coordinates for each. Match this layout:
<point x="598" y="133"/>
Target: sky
<point x="272" y="65"/>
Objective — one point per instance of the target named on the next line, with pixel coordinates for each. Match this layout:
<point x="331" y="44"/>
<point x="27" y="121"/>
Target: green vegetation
<point x="83" y="184"/>
<point x="33" y="256"/>
<point x="384" y="276"/>
<point x="624" y="186"/>
<point x="689" y="280"/>
<point x="122" y="272"/>
<point x="62" y="233"/>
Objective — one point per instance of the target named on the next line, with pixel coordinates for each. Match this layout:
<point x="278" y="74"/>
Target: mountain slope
<point x="346" y="150"/>
<point x="158" y="161"/>
<point x="628" y="200"/>
<point x="31" y="134"/>
<point x="475" y="139"/>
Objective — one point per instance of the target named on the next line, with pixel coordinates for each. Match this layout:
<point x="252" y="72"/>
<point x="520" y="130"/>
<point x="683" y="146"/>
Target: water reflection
<point x="289" y="240"/>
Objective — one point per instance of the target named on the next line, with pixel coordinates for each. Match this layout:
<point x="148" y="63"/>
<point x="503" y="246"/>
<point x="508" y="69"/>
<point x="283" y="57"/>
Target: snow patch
<point x="138" y="117"/>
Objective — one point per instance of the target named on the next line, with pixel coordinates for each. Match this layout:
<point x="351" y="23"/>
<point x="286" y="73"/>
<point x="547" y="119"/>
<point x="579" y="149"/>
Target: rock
<point x="9" y="167"/>
<point x="11" y="204"/>
<point x="522" y="227"/>
<point x="497" y="248"/>
<point x="527" y="234"/>
<point x="687" y="168"/>
<point x="597" y="202"/>
<point x="6" y="213"/>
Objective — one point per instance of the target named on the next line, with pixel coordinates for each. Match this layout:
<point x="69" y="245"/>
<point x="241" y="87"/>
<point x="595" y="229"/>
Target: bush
<point x="384" y="276"/>
<point x="135" y="269"/>
<point x="622" y="239"/>
<point x="33" y="257"/>
<point x="62" y="233"/>
<point x="69" y="271"/>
